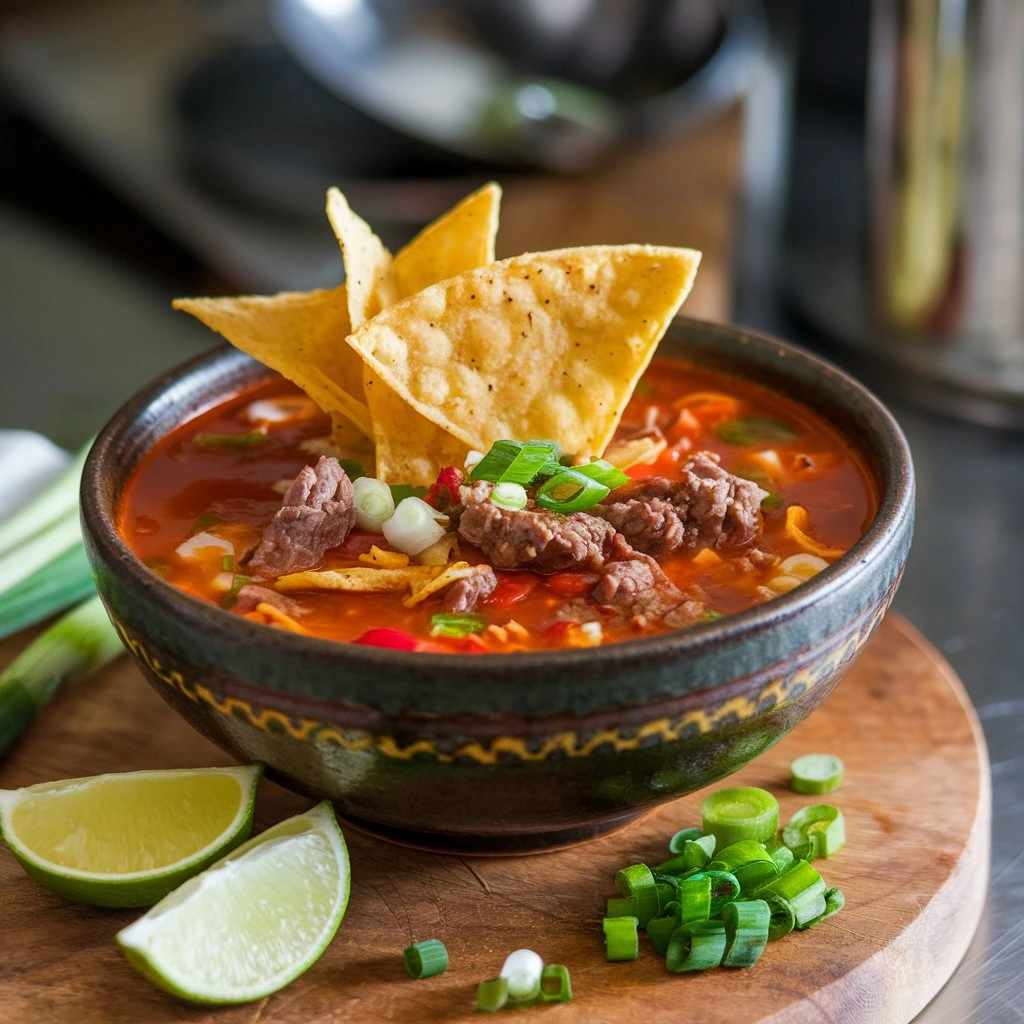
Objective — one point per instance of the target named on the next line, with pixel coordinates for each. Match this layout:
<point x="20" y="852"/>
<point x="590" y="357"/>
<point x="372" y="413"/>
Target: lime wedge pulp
<point x="254" y="921"/>
<point x="128" y="839"/>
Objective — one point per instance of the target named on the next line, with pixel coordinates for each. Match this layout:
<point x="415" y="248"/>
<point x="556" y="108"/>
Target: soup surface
<point x="200" y="502"/>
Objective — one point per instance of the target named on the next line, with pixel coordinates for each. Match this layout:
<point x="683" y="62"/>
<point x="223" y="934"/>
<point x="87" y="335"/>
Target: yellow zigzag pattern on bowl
<point x="567" y="743"/>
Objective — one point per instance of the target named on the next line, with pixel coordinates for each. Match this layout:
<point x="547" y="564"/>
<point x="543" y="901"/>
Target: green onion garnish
<point x="693" y="853"/>
<point x="555" y="984"/>
<point x="425" y="959"/>
<point x="724" y="888"/>
<point x="229" y="599"/>
<point x="802" y="888"/>
<point x="353" y="470"/>
<point x="834" y="902"/>
<point x="620" y="938"/>
<point x="660" y="928"/>
<point x="749" y="861"/>
<point x="227" y="563"/>
<point x="374" y="503"/>
<point x="772" y="500"/>
<point x="509" y="495"/>
<point x="534" y="459"/>
<point x="399" y="492"/>
<point x="743" y="812"/>
<point x="456" y="624"/>
<point x="816" y="773"/>
<point x="570" y="491"/>
<point x="675" y="844"/>
<point x="204" y="522"/>
<point x="746" y="932"/>
<point x="696" y="946"/>
<point x="754" y="430"/>
<point x="492" y="995"/>
<point x="695" y="899"/>
<point x="603" y="472"/>
<point x="816" y="831"/>
<point x="239" y="441"/>
<point x="496" y="461"/>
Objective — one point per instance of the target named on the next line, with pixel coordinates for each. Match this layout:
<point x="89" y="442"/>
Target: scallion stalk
<point x="80" y="643"/>
<point x="35" y="552"/>
<point x="59" y="584"/>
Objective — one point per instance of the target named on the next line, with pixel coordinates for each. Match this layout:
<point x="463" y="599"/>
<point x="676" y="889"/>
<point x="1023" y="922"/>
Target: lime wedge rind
<point x="180" y="944"/>
<point x="136" y="888"/>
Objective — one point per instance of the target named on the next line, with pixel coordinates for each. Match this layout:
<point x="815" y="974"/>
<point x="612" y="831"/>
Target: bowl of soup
<point x="569" y="676"/>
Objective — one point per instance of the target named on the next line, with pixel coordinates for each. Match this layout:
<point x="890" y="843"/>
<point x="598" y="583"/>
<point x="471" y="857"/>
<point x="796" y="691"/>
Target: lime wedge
<point x="251" y="923"/>
<point x="126" y="840"/>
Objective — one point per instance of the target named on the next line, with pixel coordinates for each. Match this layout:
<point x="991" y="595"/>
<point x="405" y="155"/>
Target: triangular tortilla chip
<point x="545" y="345"/>
<point x="298" y="334"/>
<point x="366" y="260"/>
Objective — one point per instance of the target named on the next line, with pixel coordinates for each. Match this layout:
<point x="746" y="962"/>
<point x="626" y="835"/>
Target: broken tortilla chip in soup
<point x="548" y="344"/>
<point x="300" y="335"/>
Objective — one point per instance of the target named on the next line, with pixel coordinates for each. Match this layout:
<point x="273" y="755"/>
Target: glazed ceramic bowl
<point x="525" y="751"/>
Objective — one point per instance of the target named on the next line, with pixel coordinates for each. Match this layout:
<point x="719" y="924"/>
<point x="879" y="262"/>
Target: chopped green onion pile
<point x="729" y="887"/>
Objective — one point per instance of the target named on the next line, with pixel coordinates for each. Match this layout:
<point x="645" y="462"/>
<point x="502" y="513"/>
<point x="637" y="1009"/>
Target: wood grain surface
<point x="914" y="871"/>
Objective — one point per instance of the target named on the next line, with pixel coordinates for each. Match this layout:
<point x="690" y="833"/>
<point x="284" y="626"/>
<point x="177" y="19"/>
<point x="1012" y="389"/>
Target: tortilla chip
<point x="366" y="260"/>
<point x="541" y="345"/>
<point x="440" y="580"/>
<point x="367" y="581"/>
<point x="298" y="334"/>
<point x="385" y="559"/>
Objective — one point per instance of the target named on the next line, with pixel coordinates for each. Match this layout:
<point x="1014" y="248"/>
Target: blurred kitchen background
<point x="852" y="170"/>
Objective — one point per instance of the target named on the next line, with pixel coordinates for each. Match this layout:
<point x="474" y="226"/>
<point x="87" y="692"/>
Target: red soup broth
<point x="182" y="486"/>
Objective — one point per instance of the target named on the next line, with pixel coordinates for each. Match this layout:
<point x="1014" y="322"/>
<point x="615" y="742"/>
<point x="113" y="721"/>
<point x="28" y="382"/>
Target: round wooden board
<point x="914" y="871"/>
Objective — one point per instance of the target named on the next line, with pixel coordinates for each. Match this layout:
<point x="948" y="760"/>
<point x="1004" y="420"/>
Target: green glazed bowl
<point x="506" y="753"/>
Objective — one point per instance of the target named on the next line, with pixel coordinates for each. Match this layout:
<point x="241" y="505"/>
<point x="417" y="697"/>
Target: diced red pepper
<point x="443" y="493"/>
<point x="572" y="584"/>
<point x="511" y="589"/>
<point x="393" y="639"/>
<point x="557" y="630"/>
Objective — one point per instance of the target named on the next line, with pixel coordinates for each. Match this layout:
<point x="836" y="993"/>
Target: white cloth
<point x="28" y="462"/>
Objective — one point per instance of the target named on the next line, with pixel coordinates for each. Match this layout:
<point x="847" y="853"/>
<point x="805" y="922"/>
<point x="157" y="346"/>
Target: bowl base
<point x="497" y="844"/>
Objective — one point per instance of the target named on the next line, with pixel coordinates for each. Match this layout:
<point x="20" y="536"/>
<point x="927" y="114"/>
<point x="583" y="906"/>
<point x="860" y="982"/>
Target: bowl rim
<point x="896" y="501"/>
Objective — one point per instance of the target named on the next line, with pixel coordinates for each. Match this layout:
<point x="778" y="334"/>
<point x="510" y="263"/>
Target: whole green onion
<point x="425" y="959"/>
<point x="35" y="552"/>
<point x="570" y="491"/>
<point x="62" y="582"/>
<point x="696" y="946"/>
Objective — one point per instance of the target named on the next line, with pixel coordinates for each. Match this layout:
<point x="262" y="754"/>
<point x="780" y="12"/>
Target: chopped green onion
<point x="694" y="853"/>
<point x="724" y="888"/>
<point x="204" y="522"/>
<point x="414" y="526"/>
<point x="240" y="441"/>
<point x="62" y="582"/>
<point x="623" y="906"/>
<point x="620" y="938"/>
<point x="710" y="615"/>
<point x="749" y="861"/>
<point x="374" y="503"/>
<point x="555" y="984"/>
<point x="771" y="501"/>
<point x="696" y="946"/>
<point x="660" y="928"/>
<point x="782" y="920"/>
<point x="667" y="887"/>
<point x="834" y="902"/>
<point x="496" y="461"/>
<point x="815" y="831"/>
<point x="48" y="508"/>
<point x="746" y="932"/>
<point x="522" y="970"/>
<point x="816" y="773"/>
<point x="638" y="881"/>
<point x="569" y="492"/>
<point x="399" y="492"/>
<point x="425" y="959"/>
<point x="457" y="624"/>
<point x="675" y="844"/>
<point x="801" y="886"/>
<point x="227" y="563"/>
<point x="695" y="899"/>
<point x="507" y="495"/>
<point x="783" y="858"/>
<point x="353" y="470"/>
<point x="80" y="643"/>
<point x="535" y="458"/>
<point x="229" y="599"/>
<point x="754" y="430"/>
<point x="603" y="472"/>
<point x="743" y="812"/>
<point x="492" y="995"/>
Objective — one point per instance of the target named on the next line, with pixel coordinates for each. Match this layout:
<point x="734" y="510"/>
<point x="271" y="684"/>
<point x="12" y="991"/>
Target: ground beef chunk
<point x="252" y="595"/>
<point x="638" y="590"/>
<point x="316" y="514"/>
<point x="706" y="507"/>
<point x="533" y="538"/>
<point x="464" y="595"/>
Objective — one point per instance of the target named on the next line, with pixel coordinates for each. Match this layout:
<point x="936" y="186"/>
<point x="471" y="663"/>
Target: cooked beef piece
<point x="637" y="589"/>
<point x="316" y="514"/>
<point x="533" y="538"/>
<point x="464" y="595"/>
<point x="252" y="595"/>
<point x="707" y="507"/>
<point x="754" y="559"/>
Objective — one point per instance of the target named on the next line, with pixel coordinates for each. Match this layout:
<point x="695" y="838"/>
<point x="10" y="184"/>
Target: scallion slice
<point x="457" y="624"/>
<point x="695" y="899"/>
<point x="555" y="984"/>
<point x="522" y="970"/>
<point x="660" y="928"/>
<point x="570" y="491"/>
<point x="620" y="938"/>
<point x="749" y="861"/>
<point x="746" y="932"/>
<point x="724" y="888"/>
<point x="754" y="430"/>
<point x="414" y="526"/>
<point x="353" y="470"/>
<point x="696" y="946"/>
<point x="603" y="472"/>
<point x="834" y="902"/>
<point x="425" y="959"/>
<point x="693" y="854"/>
<point x="535" y="458"/>
<point x="509" y="495"/>
<point x="496" y="461"/>
<point x="815" y="831"/>
<point x="802" y="888"/>
<point x="816" y="773"/>
<point x="227" y="441"/>
<point x="782" y="920"/>
<point x="675" y="844"/>
<point x="783" y="858"/>
<point x="742" y="812"/>
<point x="623" y="906"/>
<point x="374" y="503"/>
<point x="638" y="881"/>
<point x="492" y="995"/>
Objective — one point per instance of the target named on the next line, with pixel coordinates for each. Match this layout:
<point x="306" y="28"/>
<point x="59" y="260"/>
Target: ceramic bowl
<point x="506" y="753"/>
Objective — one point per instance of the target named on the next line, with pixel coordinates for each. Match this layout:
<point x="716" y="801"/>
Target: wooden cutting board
<point x="914" y="872"/>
